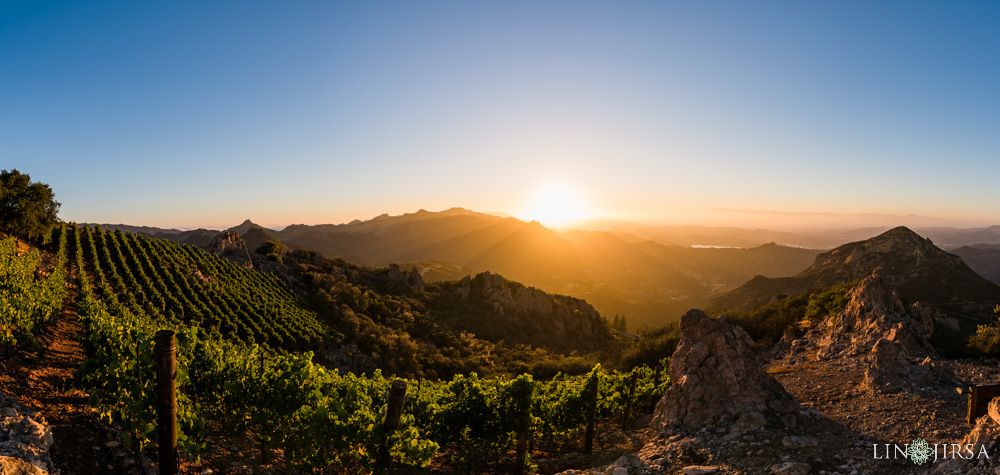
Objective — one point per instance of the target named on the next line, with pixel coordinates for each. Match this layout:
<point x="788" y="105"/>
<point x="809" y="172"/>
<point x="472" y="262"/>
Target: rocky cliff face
<point x="566" y="315"/>
<point x="892" y="340"/>
<point x="495" y="308"/>
<point x="412" y="278"/>
<point x="231" y="246"/>
<point x="875" y="312"/>
<point x="717" y="380"/>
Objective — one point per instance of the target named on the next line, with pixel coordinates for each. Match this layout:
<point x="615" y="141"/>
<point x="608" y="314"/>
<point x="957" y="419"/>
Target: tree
<point x="26" y="209"/>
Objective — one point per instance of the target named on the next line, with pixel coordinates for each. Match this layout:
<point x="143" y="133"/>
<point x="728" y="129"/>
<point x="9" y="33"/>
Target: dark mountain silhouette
<point x="247" y="225"/>
<point x="914" y="265"/>
<point x="255" y="236"/>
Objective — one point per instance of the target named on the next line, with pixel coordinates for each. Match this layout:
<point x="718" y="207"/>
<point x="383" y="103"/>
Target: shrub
<point x="987" y="337"/>
<point x="829" y="302"/>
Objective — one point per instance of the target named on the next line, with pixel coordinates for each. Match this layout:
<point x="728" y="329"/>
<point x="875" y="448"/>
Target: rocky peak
<point x="717" y="379"/>
<point x="245" y="226"/>
<point x="899" y="250"/>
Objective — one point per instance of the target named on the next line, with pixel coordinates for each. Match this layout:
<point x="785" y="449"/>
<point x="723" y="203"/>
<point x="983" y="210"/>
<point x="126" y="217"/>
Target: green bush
<point x="987" y="337"/>
<point x="268" y="247"/>
<point x="652" y="346"/>
<point x="829" y="302"/>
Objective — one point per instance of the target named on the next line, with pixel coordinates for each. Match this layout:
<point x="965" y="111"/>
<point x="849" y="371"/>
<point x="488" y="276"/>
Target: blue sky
<point x="206" y="113"/>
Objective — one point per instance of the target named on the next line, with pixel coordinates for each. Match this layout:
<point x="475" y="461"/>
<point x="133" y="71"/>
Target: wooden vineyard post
<point x="166" y="401"/>
<point x="393" y="412"/>
<point x="263" y="443"/>
<point x="524" y="426"/>
<point x="136" y="446"/>
<point x="591" y="418"/>
<point x="628" y="404"/>
<point x="522" y="452"/>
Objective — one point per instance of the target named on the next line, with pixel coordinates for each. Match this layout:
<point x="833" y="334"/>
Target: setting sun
<point x="556" y="206"/>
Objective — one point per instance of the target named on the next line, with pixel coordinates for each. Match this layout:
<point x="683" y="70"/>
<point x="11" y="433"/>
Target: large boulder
<point x="718" y="379"/>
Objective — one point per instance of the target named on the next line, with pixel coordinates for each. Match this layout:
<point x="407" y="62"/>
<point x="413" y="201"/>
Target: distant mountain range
<point x="649" y="274"/>
<point x="918" y="269"/>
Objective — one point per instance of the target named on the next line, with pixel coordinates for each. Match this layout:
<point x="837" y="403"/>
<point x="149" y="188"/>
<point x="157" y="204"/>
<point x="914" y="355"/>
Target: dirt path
<point x="83" y="443"/>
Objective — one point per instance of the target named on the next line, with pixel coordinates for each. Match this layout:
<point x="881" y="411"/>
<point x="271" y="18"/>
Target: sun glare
<point x="556" y="206"/>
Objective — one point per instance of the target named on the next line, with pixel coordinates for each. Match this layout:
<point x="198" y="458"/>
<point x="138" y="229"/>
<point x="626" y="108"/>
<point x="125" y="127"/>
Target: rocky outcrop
<point x="412" y="278"/>
<point x="230" y="245"/>
<point x="566" y="315"/>
<point x="196" y="276"/>
<point x="24" y="441"/>
<point x="892" y="340"/>
<point x="875" y="312"/>
<point x="494" y="308"/>
<point x="717" y="380"/>
<point x="417" y="280"/>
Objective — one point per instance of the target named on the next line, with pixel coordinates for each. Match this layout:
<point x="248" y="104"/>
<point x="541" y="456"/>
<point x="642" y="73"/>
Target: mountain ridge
<point x="913" y="264"/>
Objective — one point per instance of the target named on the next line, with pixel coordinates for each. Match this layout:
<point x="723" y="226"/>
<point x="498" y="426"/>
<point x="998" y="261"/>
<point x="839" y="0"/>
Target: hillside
<point x="88" y="302"/>
<point x="650" y="274"/>
<point x="918" y="269"/>
<point x="982" y="258"/>
<point x="648" y="282"/>
<point x="392" y="319"/>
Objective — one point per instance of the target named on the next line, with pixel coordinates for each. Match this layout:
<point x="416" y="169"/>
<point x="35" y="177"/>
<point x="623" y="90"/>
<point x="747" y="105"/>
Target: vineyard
<point x="235" y="375"/>
<point x="28" y="297"/>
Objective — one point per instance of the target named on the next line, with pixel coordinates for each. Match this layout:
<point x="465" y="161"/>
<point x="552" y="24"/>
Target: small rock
<point x="791" y="468"/>
<point x="699" y="470"/>
<point x="112" y="444"/>
<point x="788" y="420"/>
<point x="795" y="442"/>
<point x="8" y="412"/>
<point x="748" y="422"/>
